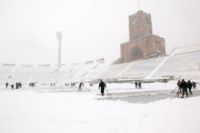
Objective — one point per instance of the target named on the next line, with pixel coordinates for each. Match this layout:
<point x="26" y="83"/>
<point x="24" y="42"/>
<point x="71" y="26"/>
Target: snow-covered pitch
<point x="51" y="110"/>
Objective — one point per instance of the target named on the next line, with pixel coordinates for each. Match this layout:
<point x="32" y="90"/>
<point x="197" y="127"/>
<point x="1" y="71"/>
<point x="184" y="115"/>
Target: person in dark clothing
<point x="140" y="85"/>
<point x="20" y="85"/>
<point x="17" y="85"/>
<point x="102" y="86"/>
<point x="194" y="85"/>
<point x="136" y="84"/>
<point x="179" y="87"/>
<point x="7" y="84"/>
<point x="189" y="85"/>
<point x="184" y="88"/>
<point x="91" y="84"/>
<point x="12" y="86"/>
<point x="80" y="86"/>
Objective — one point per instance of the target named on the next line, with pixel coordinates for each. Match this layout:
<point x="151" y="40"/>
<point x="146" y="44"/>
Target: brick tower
<point x="143" y="44"/>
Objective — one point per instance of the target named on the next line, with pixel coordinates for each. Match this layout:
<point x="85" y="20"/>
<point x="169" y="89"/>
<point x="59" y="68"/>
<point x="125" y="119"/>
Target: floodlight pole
<point x="59" y="37"/>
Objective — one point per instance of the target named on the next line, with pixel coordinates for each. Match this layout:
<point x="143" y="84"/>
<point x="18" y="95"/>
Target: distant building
<point x="143" y="44"/>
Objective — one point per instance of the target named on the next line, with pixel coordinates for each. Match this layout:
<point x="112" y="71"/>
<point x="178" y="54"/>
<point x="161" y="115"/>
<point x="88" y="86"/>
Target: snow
<point x="30" y="111"/>
<point x="160" y="65"/>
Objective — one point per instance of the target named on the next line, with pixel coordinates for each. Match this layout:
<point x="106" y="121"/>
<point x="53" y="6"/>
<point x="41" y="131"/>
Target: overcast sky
<point x="91" y="28"/>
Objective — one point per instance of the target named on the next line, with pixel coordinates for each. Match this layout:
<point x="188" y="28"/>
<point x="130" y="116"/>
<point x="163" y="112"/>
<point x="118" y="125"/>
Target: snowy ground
<point x="59" y="111"/>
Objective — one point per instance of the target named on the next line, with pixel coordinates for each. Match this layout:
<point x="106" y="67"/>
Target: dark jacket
<point x="189" y="84"/>
<point x="102" y="85"/>
<point x="183" y="84"/>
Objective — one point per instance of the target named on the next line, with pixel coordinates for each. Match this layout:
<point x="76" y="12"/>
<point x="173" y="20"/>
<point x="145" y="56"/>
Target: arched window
<point x="136" y="53"/>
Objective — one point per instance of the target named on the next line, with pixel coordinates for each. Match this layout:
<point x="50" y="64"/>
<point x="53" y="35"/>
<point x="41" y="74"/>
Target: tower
<point x="142" y="42"/>
<point x="59" y="37"/>
<point x="139" y="25"/>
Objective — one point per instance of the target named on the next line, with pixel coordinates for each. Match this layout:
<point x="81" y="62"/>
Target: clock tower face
<point x="139" y="25"/>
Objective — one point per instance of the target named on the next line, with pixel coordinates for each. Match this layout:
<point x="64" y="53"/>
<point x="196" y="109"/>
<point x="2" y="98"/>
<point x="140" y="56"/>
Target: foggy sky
<point x="91" y="28"/>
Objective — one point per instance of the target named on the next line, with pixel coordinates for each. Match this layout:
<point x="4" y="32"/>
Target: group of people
<point x="102" y="86"/>
<point x="184" y="86"/>
<point x="53" y="84"/>
<point x="32" y="84"/>
<point x="138" y="85"/>
<point x="12" y="86"/>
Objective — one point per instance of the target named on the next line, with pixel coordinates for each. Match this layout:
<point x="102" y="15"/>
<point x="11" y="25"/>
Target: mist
<point x="91" y="29"/>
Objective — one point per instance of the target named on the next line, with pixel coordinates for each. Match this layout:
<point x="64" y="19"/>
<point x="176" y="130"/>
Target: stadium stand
<point x="96" y="72"/>
<point x="140" y="69"/>
<point x="83" y="71"/>
<point x="183" y="63"/>
<point x="113" y="71"/>
<point x="22" y="73"/>
<point x="42" y="74"/>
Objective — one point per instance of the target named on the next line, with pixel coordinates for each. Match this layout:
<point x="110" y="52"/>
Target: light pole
<point x="59" y="37"/>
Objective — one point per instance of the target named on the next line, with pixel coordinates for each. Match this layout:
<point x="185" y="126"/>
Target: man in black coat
<point x="140" y="85"/>
<point x="194" y="85"/>
<point x="184" y="88"/>
<point x="136" y="84"/>
<point x="7" y="84"/>
<point x="189" y="85"/>
<point x="102" y="86"/>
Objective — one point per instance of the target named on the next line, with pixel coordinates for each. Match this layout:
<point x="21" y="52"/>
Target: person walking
<point x="140" y="85"/>
<point x="179" y="87"/>
<point x="194" y="85"/>
<point x="184" y="88"/>
<point x="102" y="86"/>
<point x="7" y="84"/>
<point x="80" y="86"/>
<point x="136" y="84"/>
<point x="189" y="85"/>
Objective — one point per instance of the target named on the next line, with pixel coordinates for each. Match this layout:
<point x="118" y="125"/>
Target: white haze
<point x="91" y="28"/>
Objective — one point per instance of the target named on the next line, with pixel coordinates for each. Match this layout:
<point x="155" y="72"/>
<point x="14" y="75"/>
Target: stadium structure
<point x="181" y="63"/>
